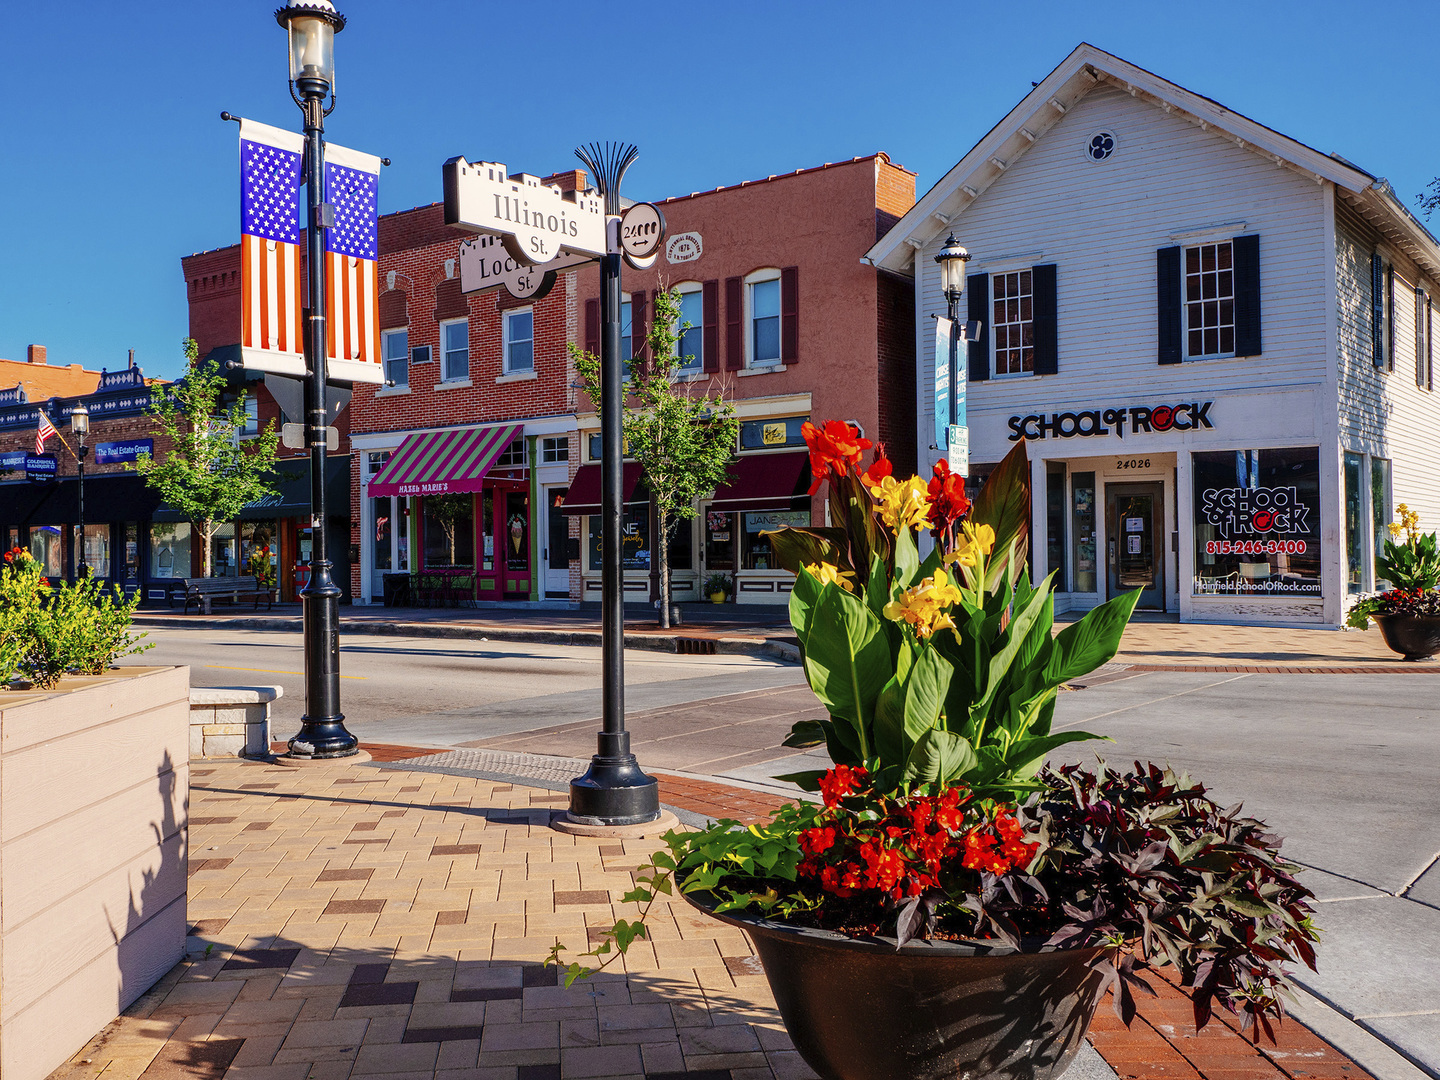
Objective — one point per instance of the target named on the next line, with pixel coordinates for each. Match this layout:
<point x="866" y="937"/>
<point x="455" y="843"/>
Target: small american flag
<point x="44" y="432"/>
<point x="270" y="248"/>
<point x="351" y="250"/>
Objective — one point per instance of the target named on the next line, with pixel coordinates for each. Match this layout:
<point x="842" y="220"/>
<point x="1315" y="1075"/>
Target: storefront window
<point x="517" y="531"/>
<point x="170" y="549"/>
<point x="487" y="530"/>
<point x="757" y="553"/>
<point x="1380" y="508"/>
<point x="1354" y="535"/>
<point x="224" y="551"/>
<point x="12" y="538"/>
<point x="1257" y="522"/>
<point x="381" y="512"/>
<point x="634" y="538"/>
<point x="719" y="531"/>
<point x="47" y="546"/>
<point x="1055" y="523"/>
<point x="772" y="434"/>
<point x="97" y="548"/>
<point x="682" y="547"/>
<point x="258" y="547"/>
<point x="449" y="530"/>
<point x="1082" y="529"/>
<point x="132" y="551"/>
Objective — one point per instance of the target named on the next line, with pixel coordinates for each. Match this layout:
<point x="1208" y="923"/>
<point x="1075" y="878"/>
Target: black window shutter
<point x="710" y="334"/>
<point x="790" y="315"/>
<point x="1429" y="348"/>
<point x="1247" y="294"/>
<point x="977" y="294"/>
<point x="734" y="335"/>
<point x="1377" y="310"/>
<point x="1043" y="311"/>
<point x="1389" y="318"/>
<point x="1167" y="301"/>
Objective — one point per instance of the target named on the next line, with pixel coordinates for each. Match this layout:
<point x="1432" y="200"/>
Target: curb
<point x="665" y="643"/>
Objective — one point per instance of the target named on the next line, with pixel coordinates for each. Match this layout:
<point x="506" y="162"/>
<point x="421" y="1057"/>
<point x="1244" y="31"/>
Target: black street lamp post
<point x="952" y="260"/>
<point x="80" y="428"/>
<point x="614" y="790"/>
<point x="312" y="25"/>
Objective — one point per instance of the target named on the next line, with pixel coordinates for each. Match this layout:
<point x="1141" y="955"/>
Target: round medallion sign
<point x="642" y="230"/>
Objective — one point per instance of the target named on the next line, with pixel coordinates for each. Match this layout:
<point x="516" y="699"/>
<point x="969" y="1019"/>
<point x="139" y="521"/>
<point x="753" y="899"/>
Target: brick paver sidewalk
<point x="357" y="922"/>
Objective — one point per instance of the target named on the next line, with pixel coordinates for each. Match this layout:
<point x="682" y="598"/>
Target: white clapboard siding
<point x="1384" y="413"/>
<point x="1101" y="224"/>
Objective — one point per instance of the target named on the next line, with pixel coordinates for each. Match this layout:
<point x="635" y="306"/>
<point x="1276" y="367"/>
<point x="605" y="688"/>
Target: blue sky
<point x="117" y="164"/>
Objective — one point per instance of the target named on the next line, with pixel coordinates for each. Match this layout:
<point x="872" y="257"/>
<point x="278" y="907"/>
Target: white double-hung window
<point x="395" y="347"/>
<point x="519" y="341"/>
<point x="455" y="350"/>
<point x="1209" y="308"/>
<point x="1013" y="309"/>
<point x="762" y="304"/>
<point x="690" y="344"/>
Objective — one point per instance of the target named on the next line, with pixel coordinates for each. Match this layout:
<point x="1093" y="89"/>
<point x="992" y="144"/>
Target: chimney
<point x="569" y="180"/>
<point x="35" y="354"/>
<point x="132" y="359"/>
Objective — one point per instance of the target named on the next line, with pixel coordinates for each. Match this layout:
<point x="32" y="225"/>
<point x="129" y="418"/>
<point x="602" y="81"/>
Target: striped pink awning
<point x="441" y="462"/>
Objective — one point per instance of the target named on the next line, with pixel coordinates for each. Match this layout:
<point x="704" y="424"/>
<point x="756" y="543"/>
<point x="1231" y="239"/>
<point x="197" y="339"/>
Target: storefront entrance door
<point x="557" y="545"/>
<point x="1134" y="523"/>
<point x="721" y="544"/>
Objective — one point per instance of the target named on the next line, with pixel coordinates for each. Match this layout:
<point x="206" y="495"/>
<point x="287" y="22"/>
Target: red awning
<point x="584" y="494"/>
<point x="764" y="482"/>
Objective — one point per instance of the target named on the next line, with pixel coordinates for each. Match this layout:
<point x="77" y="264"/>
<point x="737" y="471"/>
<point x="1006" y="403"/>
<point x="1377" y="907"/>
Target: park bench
<point x="202" y="591"/>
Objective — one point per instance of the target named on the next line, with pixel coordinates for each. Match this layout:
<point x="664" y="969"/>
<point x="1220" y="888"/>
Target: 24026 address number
<point x="1255" y="547"/>
<point x="1133" y="463"/>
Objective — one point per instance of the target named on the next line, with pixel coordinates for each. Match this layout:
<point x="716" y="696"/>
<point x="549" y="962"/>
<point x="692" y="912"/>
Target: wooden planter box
<point x="94" y="790"/>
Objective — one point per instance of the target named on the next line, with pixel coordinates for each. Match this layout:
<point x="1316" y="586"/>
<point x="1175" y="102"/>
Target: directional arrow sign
<point x="536" y="221"/>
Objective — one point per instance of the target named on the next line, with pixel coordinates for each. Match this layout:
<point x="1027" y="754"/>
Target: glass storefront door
<point x="514" y="531"/>
<point x="720" y="544"/>
<point x="557" y="545"/>
<point x="1134" y="519"/>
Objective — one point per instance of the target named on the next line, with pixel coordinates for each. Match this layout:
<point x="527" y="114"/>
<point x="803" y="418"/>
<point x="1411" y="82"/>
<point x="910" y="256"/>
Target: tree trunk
<point x="663" y="551"/>
<point x="207" y="530"/>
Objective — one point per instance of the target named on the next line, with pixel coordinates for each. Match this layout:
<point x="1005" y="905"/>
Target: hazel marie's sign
<point x="537" y="222"/>
<point x="1187" y="416"/>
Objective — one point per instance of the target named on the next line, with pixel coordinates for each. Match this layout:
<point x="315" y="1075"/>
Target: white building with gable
<point x="1215" y="340"/>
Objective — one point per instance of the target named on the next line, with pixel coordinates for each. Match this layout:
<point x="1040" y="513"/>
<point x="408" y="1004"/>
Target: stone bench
<point x="231" y="721"/>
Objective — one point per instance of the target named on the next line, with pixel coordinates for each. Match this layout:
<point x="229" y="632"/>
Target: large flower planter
<point x="94" y="785"/>
<point x="1415" y="637"/>
<point x="858" y="1009"/>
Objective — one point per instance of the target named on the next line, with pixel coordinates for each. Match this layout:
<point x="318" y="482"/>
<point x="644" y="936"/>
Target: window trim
<point x="507" y="341"/>
<point x="682" y="370"/>
<point x="1196" y="244"/>
<point x="995" y="372"/>
<point x="386" y="336"/>
<point x="445" y="375"/>
<point x="747" y="284"/>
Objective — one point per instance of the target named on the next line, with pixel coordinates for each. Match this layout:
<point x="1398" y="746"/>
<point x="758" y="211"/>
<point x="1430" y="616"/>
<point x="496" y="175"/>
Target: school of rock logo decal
<point x="1187" y="416"/>
<point x="1251" y="511"/>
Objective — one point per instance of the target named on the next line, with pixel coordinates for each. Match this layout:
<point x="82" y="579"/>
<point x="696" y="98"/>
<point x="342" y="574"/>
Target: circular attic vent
<point x="1100" y="146"/>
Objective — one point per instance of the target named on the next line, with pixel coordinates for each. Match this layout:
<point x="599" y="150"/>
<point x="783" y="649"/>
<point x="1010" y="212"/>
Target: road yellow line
<point x="272" y="671"/>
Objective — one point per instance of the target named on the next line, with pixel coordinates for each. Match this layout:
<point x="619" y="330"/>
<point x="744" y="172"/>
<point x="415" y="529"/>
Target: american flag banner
<point x="352" y="181"/>
<point x="270" y="235"/>
<point x="44" y="432"/>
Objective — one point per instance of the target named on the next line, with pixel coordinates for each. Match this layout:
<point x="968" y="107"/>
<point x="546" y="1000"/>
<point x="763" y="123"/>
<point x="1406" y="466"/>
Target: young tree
<point x="682" y="436"/>
<point x="210" y="474"/>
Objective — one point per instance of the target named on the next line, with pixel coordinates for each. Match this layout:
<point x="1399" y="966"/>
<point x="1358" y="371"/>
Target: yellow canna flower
<point x="925" y="606"/>
<point x="829" y="574"/>
<point x="902" y="503"/>
<point x="1395" y="530"/>
<point x="975" y="541"/>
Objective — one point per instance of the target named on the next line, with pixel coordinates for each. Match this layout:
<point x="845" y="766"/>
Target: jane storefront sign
<point x="117" y="453"/>
<point x="1187" y="416"/>
<point x="537" y="222"/>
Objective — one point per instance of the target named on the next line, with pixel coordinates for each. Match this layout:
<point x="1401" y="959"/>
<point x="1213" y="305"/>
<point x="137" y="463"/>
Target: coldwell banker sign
<point x="1186" y="416"/>
<point x="537" y="222"/>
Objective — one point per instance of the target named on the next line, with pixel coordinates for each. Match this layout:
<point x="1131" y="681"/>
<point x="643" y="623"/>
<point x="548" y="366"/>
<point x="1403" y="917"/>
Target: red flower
<point x="836" y="446"/>
<point x="947" y="497"/>
<point x="816" y="841"/>
<point x="841" y="781"/>
<point x="879" y="469"/>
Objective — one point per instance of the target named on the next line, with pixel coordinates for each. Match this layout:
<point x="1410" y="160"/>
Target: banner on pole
<point x="270" y="163"/>
<point x="352" y="252"/>
<point x="944" y="333"/>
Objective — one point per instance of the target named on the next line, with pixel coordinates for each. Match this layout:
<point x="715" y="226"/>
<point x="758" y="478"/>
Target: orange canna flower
<point x="836" y="446"/>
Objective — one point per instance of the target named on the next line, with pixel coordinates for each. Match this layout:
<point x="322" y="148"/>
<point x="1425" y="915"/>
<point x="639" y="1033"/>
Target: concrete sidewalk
<point x="1151" y="642"/>
<point x="359" y="921"/>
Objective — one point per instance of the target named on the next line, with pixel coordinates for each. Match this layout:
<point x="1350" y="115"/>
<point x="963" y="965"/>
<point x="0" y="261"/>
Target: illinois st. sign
<point x="537" y="222"/>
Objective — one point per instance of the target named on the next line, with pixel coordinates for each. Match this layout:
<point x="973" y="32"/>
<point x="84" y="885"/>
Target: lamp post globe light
<point x="312" y="26"/>
<point x="80" y="428"/>
<point x="952" y="259"/>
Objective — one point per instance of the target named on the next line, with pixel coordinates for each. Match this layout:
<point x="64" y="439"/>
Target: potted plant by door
<point x="717" y="587"/>
<point x="1409" y="613"/>
<point x="953" y="907"/>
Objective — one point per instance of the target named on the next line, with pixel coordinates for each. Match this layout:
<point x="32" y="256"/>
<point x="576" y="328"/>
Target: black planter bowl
<point x="1415" y="637"/>
<point x="858" y="1009"/>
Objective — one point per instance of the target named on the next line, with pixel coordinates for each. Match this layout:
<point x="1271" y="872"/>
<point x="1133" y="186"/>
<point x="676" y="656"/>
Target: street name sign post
<point x="537" y="222"/>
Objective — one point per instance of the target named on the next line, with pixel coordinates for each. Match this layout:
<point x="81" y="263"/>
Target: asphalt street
<point x="1342" y="766"/>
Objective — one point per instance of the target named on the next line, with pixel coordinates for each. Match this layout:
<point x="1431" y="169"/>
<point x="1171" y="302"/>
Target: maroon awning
<point x="764" y="482"/>
<point x="584" y="494"/>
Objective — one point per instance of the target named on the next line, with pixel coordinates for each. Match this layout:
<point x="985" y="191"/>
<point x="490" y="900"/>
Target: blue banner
<point x="944" y="334"/>
<point x="41" y="467"/>
<point x="115" y="453"/>
<point x="12" y="461"/>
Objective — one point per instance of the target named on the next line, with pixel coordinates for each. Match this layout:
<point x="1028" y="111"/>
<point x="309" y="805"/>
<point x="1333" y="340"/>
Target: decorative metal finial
<point x="607" y="163"/>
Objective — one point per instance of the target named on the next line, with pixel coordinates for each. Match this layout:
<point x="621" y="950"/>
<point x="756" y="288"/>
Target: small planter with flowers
<point x="953" y="906"/>
<point x="1409" y="613"/>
